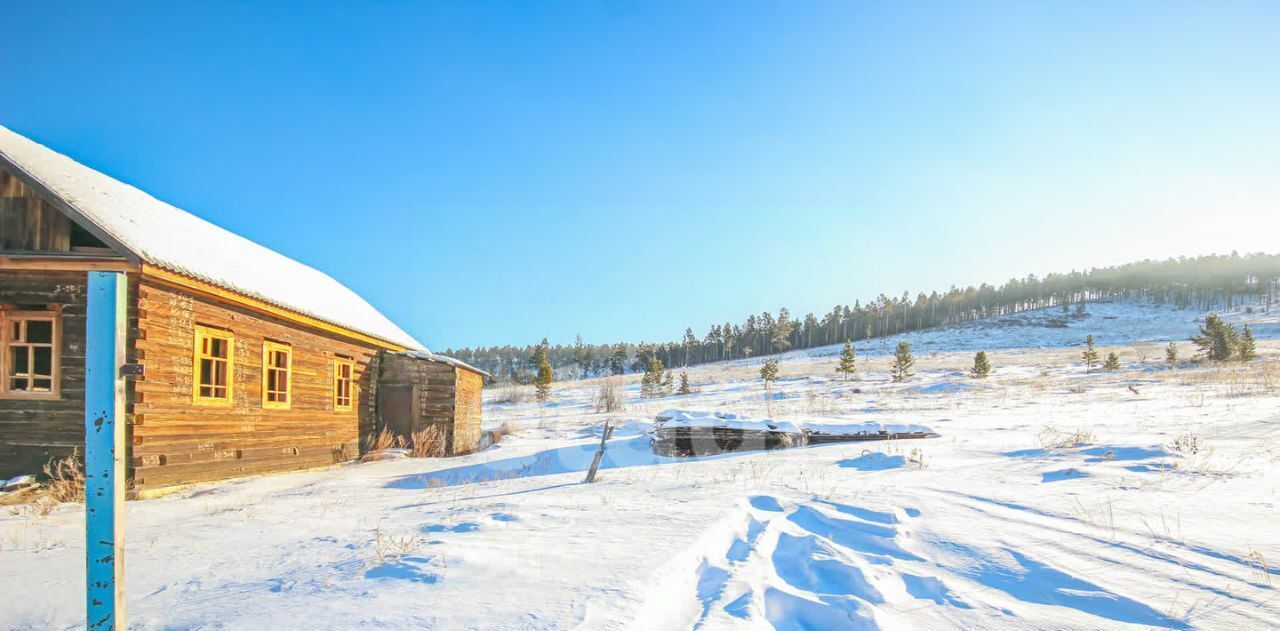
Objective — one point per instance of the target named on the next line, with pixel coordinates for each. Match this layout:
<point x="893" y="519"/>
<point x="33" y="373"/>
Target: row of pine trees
<point x="1203" y="282"/>
<point x="1217" y="341"/>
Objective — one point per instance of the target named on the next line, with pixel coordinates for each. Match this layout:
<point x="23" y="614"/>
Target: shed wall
<point x="33" y="431"/>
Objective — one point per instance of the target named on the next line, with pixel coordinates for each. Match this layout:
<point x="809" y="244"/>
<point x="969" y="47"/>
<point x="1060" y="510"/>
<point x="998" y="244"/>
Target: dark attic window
<point x="81" y="238"/>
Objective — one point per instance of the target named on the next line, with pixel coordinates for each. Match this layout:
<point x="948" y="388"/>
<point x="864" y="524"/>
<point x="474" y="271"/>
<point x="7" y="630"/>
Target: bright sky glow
<point x="491" y="173"/>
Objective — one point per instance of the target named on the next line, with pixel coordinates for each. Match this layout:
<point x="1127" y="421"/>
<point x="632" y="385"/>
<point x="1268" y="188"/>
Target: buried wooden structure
<point x="682" y="434"/>
<point x="248" y="361"/>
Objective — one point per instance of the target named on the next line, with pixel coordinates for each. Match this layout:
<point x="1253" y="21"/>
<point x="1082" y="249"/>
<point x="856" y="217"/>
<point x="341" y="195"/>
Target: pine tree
<point x="542" y="384"/>
<point x="667" y="384"/>
<point x="903" y="363"/>
<point x="651" y="385"/>
<point x="1247" y="350"/>
<point x="684" y="384"/>
<point x="1090" y="354"/>
<point x="848" y="360"/>
<point x="769" y="372"/>
<point x="1112" y="363"/>
<point x="1171" y="354"/>
<point x="618" y="360"/>
<point x="1218" y="341"/>
<point x="981" y="367"/>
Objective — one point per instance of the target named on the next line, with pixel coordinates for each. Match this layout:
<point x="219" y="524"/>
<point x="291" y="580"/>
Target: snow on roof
<point x="669" y="419"/>
<point x="173" y="239"/>
<point x="869" y="428"/>
<point x="443" y="359"/>
<point x="728" y="420"/>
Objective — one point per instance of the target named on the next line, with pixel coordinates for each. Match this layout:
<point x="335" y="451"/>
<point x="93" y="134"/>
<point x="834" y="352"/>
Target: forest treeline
<point x="1206" y="282"/>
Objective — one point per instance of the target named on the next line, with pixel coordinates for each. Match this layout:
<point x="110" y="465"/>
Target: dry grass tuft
<point x="428" y="443"/>
<point x="66" y="479"/>
<point x="387" y="440"/>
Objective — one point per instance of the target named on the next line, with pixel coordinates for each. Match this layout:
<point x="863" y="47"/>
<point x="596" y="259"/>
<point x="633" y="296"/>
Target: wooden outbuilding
<point x="418" y="390"/>
<point x="252" y="362"/>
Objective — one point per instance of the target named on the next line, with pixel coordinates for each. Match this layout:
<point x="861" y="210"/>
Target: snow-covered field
<point x="1052" y="499"/>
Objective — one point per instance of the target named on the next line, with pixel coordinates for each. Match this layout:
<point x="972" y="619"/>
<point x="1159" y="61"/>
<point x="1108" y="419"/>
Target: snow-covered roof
<point x="444" y="359"/>
<point x="175" y="240"/>
<point x="671" y="419"/>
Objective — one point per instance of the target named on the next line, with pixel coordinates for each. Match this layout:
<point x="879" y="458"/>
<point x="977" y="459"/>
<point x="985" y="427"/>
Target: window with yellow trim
<point x="277" y="364"/>
<point x="343" y="384"/>
<point x="214" y="365"/>
<point x="31" y="341"/>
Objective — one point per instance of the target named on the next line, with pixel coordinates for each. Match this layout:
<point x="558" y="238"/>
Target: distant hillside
<point x="1206" y="283"/>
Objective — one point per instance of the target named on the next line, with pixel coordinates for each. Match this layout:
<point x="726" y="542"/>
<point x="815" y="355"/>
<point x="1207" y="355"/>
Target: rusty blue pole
<point x="104" y="451"/>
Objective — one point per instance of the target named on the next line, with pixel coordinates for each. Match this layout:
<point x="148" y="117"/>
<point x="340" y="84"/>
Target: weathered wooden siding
<point x="467" y="409"/>
<point x="33" y="431"/>
<point x="176" y="442"/>
<point x="446" y="396"/>
<point x="27" y="222"/>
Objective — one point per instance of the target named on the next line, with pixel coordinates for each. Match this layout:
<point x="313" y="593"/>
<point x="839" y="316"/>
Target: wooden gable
<point x="29" y="223"/>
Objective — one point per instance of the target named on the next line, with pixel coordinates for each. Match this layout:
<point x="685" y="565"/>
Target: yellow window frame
<point x="203" y="333"/>
<point x="268" y="348"/>
<point x="338" y="364"/>
<point x="7" y="320"/>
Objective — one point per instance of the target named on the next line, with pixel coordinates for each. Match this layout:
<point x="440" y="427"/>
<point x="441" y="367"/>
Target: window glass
<point x="40" y="332"/>
<point x="213" y="366"/>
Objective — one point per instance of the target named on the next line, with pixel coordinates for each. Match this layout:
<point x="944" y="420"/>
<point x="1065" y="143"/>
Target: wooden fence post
<point x="595" y="462"/>
<point x="104" y="425"/>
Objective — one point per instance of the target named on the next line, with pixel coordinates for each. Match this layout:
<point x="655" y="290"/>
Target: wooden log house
<point x="252" y="362"/>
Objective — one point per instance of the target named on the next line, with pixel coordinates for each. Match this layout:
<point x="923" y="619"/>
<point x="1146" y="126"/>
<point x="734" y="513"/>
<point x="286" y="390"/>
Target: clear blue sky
<point x="489" y="172"/>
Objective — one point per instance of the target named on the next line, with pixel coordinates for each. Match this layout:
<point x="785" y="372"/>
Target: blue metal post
<point x="104" y="425"/>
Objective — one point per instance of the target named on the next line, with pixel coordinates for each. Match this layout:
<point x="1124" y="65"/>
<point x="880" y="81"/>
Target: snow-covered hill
<point x="1053" y="499"/>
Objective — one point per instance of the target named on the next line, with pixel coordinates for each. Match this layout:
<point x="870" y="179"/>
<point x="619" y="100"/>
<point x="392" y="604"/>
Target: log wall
<point x="176" y="442"/>
<point x="467" y="408"/>
<point x="34" y="431"/>
<point x="27" y="222"/>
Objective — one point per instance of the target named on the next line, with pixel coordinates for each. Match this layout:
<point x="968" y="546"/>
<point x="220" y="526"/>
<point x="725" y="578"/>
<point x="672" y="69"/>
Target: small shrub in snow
<point x="769" y="372"/>
<point x="1171" y="354"/>
<point x="1187" y="444"/>
<point x="1052" y="438"/>
<point x="655" y="379"/>
<point x="981" y="366"/>
<point x="1113" y="362"/>
<point x="684" y="384"/>
<point x="389" y="549"/>
<point x="609" y="396"/>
